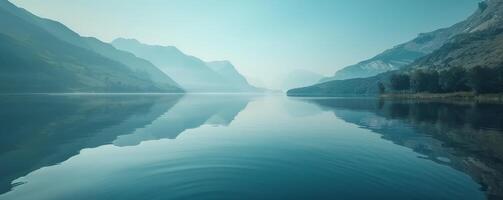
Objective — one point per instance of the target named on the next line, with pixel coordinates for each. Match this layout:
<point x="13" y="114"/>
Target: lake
<point x="206" y="146"/>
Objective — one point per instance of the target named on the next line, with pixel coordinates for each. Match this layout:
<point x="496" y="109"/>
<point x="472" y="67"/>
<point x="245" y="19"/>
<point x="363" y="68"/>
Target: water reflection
<point x="465" y="136"/>
<point x="265" y="153"/>
<point x="44" y="130"/>
<point x="191" y="112"/>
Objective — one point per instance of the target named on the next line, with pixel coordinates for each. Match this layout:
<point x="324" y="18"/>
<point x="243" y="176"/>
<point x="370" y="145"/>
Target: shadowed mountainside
<point x="41" y="55"/>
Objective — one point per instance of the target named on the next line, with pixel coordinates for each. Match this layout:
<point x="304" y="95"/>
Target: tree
<point x="424" y="81"/>
<point x="486" y="80"/>
<point x="400" y="82"/>
<point x="453" y="80"/>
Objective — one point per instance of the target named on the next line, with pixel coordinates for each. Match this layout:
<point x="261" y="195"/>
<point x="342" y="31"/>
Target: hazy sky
<point x="265" y="39"/>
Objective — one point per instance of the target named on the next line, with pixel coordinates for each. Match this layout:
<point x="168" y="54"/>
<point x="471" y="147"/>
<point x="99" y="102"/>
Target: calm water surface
<point x="247" y="147"/>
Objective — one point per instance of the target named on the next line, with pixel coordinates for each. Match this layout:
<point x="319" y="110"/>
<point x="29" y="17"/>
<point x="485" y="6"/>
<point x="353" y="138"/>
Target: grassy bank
<point x="445" y="96"/>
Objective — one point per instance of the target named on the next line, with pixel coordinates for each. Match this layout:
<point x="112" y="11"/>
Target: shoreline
<point x="458" y="96"/>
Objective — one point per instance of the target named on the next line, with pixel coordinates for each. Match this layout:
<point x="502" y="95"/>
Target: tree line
<point x="481" y="80"/>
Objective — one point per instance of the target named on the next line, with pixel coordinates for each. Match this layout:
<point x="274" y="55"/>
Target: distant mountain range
<point x="477" y="41"/>
<point x="41" y="55"/>
<point x="190" y="72"/>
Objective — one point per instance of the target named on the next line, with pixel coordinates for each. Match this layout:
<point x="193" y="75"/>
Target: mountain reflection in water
<point x="467" y="136"/>
<point x="248" y="147"/>
<point x="44" y="130"/>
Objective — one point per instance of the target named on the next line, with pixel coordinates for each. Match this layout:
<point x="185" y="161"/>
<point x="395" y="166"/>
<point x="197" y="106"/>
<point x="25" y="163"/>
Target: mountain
<point x="392" y="59"/>
<point x="228" y="71"/>
<point x="482" y="45"/>
<point x="299" y="78"/>
<point x="479" y="44"/>
<point x="190" y="72"/>
<point x="402" y="55"/>
<point x="41" y="55"/>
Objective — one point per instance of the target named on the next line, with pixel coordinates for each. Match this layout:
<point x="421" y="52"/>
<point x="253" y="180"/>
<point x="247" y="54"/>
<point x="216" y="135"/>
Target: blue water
<point x="244" y="147"/>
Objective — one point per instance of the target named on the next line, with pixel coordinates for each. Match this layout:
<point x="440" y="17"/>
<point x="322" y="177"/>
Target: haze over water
<point x="247" y="147"/>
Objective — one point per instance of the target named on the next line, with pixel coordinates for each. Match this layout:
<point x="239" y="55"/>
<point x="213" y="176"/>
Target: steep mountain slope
<point x="479" y="44"/>
<point x="403" y="54"/>
<point x="61" y="61"/>
<point x="190" y="72"/>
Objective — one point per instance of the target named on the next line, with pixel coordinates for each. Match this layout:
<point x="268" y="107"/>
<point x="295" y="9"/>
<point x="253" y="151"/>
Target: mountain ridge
<point x="403" y="54"/>
<point x="60" y="66"/>
<point x="480" y="43"/>
<point x="192" y="73"/>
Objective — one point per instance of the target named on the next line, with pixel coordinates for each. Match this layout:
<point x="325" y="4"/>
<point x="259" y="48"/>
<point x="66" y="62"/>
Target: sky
<point x="264" y="39"/>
